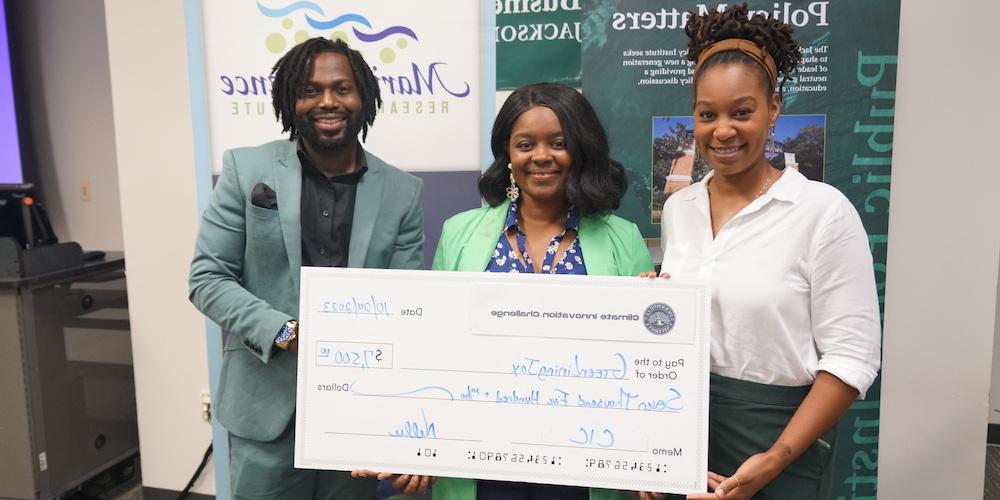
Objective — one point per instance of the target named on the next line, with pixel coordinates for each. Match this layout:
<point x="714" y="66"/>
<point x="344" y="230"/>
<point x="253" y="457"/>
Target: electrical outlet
<point x="85" y="191"/>
<point x="206" y="406"/>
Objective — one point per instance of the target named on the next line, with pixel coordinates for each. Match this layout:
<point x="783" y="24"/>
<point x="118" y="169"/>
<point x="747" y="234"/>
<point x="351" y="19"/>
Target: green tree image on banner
<point x="836" y="126"/>
<point x="537" y="41"/>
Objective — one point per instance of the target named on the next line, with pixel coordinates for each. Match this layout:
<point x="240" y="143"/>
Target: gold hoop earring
<point x="512" y="191"/>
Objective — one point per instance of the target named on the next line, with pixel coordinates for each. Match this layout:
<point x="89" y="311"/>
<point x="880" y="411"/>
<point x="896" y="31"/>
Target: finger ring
<point x="738" y="482"/>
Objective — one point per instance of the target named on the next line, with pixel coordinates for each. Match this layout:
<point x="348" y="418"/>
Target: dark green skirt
<point x="746" y="418"/>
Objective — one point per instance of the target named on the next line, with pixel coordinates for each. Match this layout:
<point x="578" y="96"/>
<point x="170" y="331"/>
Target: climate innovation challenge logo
<point x="659" y="318"/>
<point x="413" y="81"/>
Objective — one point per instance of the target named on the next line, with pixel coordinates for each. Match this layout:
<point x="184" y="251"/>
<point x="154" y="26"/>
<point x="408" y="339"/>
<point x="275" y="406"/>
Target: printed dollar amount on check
<point x="575" y="380"/>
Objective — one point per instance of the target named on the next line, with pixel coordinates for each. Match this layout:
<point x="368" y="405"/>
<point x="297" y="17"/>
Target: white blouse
<point x="793" y="288"/>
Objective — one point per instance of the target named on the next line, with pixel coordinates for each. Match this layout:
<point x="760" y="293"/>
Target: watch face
<point x="285" y="334"/>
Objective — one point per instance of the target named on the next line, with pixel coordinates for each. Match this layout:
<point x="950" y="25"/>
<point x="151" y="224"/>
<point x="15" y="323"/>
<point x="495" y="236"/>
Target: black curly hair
<point x="291" y="73"/>
<point x="734" y="22"/>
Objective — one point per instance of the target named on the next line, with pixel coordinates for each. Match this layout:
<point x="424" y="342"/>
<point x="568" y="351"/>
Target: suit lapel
<point x="595" y="242"/>
<point x="366" y="207"/>
<point x="479" y="249"/>
<point x="288" y="188"/>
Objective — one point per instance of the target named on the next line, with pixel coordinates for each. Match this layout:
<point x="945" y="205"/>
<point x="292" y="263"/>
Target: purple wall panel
<point x="445" y="194"/>
<point x="10" y="153"/>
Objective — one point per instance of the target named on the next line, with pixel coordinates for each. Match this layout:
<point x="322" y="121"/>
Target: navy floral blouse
<point x="505" y="259"/>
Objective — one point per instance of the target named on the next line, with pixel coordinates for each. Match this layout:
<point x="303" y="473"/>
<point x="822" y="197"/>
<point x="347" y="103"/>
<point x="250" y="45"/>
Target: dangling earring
<point x="771" y="145"/>
<point x="513" y="191"/>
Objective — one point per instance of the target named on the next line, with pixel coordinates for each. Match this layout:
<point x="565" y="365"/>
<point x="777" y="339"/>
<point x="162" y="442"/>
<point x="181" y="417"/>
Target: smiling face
<point x="732" y="116"/>
<point x="328" y="112"/>
<point x="538" y="156"/>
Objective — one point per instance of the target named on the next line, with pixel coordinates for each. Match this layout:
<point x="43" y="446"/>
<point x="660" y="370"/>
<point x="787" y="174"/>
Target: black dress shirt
<point x="327" y="212"/>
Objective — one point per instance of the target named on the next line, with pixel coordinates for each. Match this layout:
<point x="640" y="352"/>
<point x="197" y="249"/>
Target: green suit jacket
<point x="611" y="246"/>
<point x="245" y="272"/>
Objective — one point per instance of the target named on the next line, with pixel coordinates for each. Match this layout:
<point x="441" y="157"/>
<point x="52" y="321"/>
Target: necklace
<point x="764" y="187"/>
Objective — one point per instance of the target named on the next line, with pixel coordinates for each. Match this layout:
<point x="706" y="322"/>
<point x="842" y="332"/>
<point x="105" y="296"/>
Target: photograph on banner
<point x="537" y="41"/>
<point x="799" y="143"/>
<point x="837" y="120"/>
<point x="427" y="64"/>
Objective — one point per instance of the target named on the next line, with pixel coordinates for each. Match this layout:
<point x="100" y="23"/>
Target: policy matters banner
<point x="427" y="61"/>
<point x="836" y="126"/>
<point x="537" y="41"/>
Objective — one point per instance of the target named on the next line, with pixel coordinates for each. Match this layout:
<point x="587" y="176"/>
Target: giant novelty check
<point x="577" y="380"/>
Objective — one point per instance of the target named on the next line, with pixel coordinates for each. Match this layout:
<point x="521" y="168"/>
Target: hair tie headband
<point x="756" y="52"/>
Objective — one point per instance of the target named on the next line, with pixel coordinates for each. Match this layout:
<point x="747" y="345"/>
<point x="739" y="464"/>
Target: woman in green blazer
<point x="550" y="191"/>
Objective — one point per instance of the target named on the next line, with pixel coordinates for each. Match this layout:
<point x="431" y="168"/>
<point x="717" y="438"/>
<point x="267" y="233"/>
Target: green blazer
<point x="245" y="271"/>
<point x="611" y="246"/>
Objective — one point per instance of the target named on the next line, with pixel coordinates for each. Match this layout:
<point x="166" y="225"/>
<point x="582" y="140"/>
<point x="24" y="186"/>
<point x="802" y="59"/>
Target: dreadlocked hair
<point x="735" y="22"/>
<point x="292" y="71"/>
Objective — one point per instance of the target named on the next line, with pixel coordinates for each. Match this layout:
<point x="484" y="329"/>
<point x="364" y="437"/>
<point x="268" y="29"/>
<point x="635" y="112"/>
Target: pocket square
<point x="263" y="196"/>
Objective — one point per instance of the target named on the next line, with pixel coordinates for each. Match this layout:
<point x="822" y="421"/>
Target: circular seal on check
<point x="659" y="318"/>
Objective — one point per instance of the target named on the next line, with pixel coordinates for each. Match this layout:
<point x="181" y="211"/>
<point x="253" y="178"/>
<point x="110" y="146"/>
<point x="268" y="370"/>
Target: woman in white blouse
<point x="795" y="316"/>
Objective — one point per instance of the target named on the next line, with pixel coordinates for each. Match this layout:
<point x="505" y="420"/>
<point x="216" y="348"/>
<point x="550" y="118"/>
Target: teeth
<point x="727" y="150"/>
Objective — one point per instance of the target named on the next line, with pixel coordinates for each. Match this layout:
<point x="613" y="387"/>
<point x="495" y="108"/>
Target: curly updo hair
<point x="735" y="22"/>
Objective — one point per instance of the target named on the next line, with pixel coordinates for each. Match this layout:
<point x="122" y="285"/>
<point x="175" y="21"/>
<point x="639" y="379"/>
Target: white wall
<point x="153" y="133"/>
<point x="995" y="384"/>
<point x="68" y="101"/>
<point x="944" y="243"/>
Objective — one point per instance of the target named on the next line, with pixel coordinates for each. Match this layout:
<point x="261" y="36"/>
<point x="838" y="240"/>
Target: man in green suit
<point x="317" y="199"/>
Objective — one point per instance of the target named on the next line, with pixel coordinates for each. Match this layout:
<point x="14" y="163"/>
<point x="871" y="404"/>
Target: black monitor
<point x="15" y="176"/>
<point x="22" y="216"/>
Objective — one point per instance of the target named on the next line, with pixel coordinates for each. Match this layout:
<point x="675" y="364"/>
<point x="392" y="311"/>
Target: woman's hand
<point x="410" y="484"/>
<point x="828" y="399"/>
<point x="751" y="477"/>
<point x="649" y="495"/>
<point x="652" y="274"/>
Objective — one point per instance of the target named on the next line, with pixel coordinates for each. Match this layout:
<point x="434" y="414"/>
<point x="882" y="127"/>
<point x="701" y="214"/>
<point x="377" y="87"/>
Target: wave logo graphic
<point x="419" y="79"/>
<point x="313" y="15"/>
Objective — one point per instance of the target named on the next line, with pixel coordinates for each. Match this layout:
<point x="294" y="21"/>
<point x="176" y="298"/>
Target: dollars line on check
<point x="663" y="400"/>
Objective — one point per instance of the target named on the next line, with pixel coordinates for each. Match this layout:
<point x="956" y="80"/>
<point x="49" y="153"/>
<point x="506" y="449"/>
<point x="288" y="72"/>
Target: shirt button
<point x="322" y="251"/>
<point x="326" y="213"/>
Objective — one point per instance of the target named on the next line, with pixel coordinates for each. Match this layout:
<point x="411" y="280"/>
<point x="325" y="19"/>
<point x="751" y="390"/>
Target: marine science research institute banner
<point x="427" y="61"/>
<point x="836" y="126"/>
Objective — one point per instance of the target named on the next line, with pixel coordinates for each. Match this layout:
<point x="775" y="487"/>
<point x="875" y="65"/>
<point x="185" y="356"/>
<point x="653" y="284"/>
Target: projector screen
<point x="11" y="172"/>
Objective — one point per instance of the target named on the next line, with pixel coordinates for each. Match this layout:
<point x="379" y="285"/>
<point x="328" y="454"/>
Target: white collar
<point x="786" y="188"/>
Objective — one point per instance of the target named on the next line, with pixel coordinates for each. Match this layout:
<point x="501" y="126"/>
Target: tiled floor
<point x="121" y="482"/>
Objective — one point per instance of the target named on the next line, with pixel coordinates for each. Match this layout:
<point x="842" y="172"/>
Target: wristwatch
<point x="289" y="333"/>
